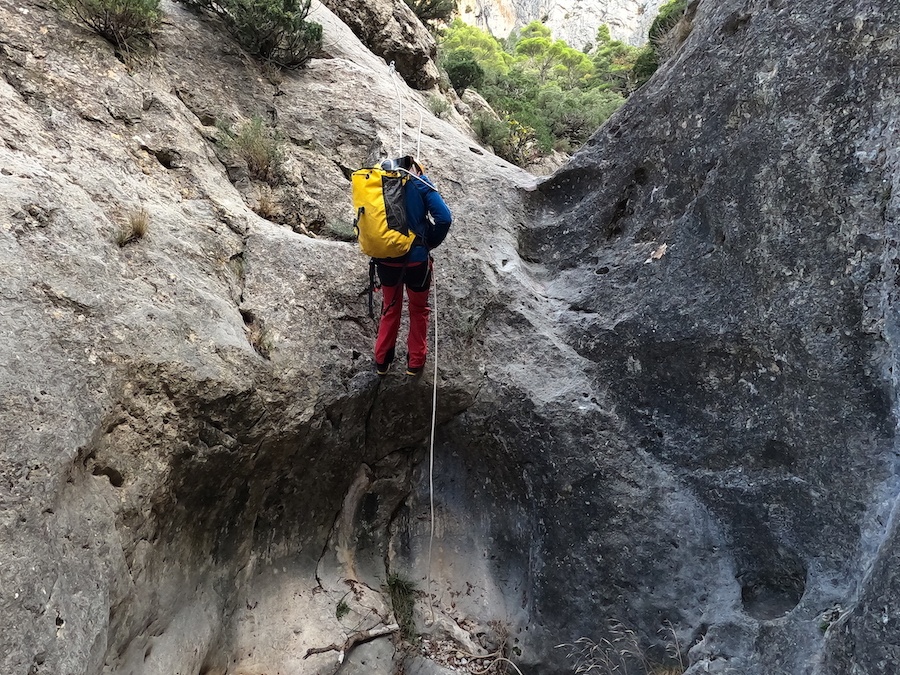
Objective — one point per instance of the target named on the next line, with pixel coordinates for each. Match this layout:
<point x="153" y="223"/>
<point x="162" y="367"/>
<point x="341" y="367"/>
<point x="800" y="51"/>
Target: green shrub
<point x="513" y="141"/>
<point x="258" y="146"/>
<point x="463" y="70"/>
<point x="667" y="32"/>
<point x="433" y="11"/>
<point x="489" y="130"/>
<point x="574" y="115"/>
<point x="275" y="31"/>
<point x="439" y="106"/>
<point x="122" y="22"/>
<point x="645" y="65"/>
<point x="668" y="16"/>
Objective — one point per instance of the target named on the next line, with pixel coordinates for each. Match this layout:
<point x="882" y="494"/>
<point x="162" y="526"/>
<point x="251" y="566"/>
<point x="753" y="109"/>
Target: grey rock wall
<point x="390" y="29"/>
<point x="184" y="416"/>
<point x="728" y="270"/>
<point x="666" y="390"/>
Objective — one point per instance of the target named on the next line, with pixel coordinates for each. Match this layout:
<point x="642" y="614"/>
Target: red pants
<point x="416" y="279"/>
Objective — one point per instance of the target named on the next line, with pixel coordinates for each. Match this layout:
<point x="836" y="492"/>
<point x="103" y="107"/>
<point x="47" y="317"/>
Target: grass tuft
<point x="402" y="592"/>
<point x="267" y="207"/>
<point x="135" y="228"/>
<point x="668" y="42"/>
<point x="622" y="652"/>
<point x="439" y="106"/>
<point x="259" y="146"/>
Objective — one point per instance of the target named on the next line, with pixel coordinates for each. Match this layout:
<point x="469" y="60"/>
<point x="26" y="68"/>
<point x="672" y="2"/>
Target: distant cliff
<point x="575" y="21"/>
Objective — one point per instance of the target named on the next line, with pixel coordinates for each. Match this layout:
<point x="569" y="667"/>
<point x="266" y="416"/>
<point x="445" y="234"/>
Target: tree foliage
<point x="276" y="31"/>
<point x="481" y="45"/>
<point x="548" y="94"/>
<point x="463" y="70"/>
<point x="433" y="11"/>
<point x="121" y="22"/>
<point x="614" y="64"/>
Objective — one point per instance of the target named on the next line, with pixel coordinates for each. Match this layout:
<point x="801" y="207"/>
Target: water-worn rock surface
<point x="730" y="269"/>
<point x="666" y="392"/>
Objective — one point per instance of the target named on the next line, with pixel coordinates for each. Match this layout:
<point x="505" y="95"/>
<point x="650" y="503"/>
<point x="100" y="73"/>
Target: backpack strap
<point x="359" y="212"/>
<point x="373" y="284"/>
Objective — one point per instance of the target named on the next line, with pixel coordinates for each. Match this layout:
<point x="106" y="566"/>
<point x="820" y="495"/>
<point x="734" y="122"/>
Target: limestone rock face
<point x="575" y="21"/>
<point x="185" y="416"/>
<point x="729" y="271"/>
<point x="666" y="389"/>
<point x="392" y="31"/>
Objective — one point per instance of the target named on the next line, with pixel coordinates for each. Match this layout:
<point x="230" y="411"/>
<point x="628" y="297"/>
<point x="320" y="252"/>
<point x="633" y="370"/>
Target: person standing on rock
<point x="429" y="217"/>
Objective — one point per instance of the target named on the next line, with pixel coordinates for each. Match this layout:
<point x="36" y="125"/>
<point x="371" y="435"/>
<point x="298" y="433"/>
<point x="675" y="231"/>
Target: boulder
<point x="391" y="30"/>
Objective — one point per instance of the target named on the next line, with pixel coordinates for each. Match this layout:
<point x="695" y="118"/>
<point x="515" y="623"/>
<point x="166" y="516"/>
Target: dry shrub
<point x="267" y="207"/>
<point x="669" y="41"/>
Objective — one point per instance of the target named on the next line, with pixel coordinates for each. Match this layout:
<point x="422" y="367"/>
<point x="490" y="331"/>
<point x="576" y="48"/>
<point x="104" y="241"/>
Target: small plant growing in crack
<point x="342" y="609"/>
<point x="258" y="335"/>
<point x="258" y="145"/>
<point x="267" y="207"/>
<point x="136" y="226"/>
<point x="402" y="592"/>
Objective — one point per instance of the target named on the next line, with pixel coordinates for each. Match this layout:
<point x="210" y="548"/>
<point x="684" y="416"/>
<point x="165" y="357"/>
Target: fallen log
<point x="352" y="640"/>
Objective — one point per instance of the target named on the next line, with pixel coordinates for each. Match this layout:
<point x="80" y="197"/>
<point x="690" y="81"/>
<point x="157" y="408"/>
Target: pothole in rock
<point x="771" y="596"/>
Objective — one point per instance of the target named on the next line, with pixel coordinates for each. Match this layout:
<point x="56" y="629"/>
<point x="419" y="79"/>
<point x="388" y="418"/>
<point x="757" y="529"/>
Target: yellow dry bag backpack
<point x="381" y="225"/>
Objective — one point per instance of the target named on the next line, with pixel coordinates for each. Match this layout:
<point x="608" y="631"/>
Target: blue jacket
<point x="422" y="200"/>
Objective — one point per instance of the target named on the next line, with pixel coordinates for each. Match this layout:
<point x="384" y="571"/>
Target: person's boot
<point x="383" y="368"/>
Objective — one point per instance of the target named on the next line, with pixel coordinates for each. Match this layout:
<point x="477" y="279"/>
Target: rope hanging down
<point x="399" y="107"/>
<point x="431" y="442"/>
<point x="434" y="303"/>
<point x="394" y="77"/>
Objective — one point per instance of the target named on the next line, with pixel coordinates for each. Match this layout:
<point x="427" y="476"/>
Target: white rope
<point x="431" y="444"/>
<point x="399" y="106"/>
<point x="419" y="137"/>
